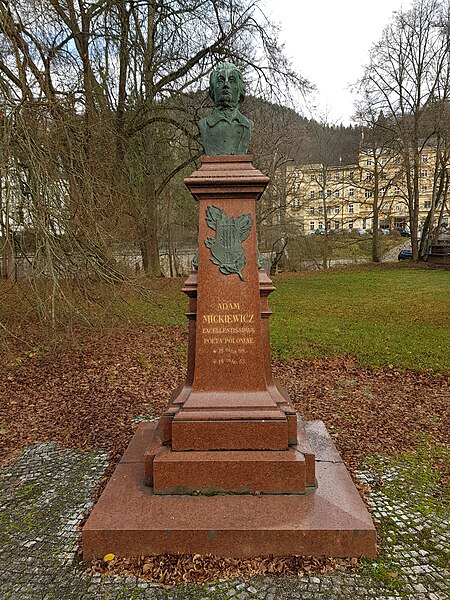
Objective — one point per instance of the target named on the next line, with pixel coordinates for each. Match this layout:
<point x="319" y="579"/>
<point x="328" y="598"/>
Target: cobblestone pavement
<point x="46" y="492"/>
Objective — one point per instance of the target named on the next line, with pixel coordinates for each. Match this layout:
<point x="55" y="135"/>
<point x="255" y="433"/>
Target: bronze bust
<point x="226" y="131"/>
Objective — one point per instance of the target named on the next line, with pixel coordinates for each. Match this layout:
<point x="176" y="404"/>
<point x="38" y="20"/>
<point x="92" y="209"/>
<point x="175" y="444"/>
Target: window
<point x="296" y="203"/>
<point x="427" y="204"/>
<point x="311" y="225"/>
<point x="328" y="193"/>
<point x="369" y="162"/>
<point x="369" y="177"/>
<point x="364" y="223"/>
<point x="397" y="161"/>
<point x="384" y="176"/>
<point x="320" y="210"/>
<point x="424" y="158"/>
<point x="424" y="173"/>
<point x="320" y="193"/>
<point x="399" y="207"/>
<point x="350" y="209"/>
<point x="311" y="210"/>
<point x="350" y="225"/>
<point x="336" y="210"/>
<point x="352" y="174"/>
<point x="351" y="191"/>
<point x="336" y="224"/>
<point x="383" y="161"/>
<point x="312" y="178"/>
<point x="337" y="176"/>
<point x="368" y="194"/>
<point x="320" y="225"/>
<point x="328" y="210"/>
<point x="336" y="194"/>
<point x="312" y="194"/>
<point x="424" y="189"/>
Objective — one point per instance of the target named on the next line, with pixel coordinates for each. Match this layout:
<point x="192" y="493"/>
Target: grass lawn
<point x="383" y="317"/>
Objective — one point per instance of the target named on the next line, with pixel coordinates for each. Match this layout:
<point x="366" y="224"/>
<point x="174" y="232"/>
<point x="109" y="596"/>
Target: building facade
<point x="320" y="198"/>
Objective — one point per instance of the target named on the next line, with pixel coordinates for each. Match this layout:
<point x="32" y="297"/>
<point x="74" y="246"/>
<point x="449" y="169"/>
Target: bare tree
<point x="377" y="176"/>
<point x="89" y="92"/>
<point x="408" y="72"/>
<point x="325" y="144"/>
<point x="439" y="117"/>
<point x="176" y="45"/>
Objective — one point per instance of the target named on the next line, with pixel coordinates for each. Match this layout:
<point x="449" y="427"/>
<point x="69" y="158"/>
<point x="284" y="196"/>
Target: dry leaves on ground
<point x="171" y="569"/>
<point x="86" y="392"/>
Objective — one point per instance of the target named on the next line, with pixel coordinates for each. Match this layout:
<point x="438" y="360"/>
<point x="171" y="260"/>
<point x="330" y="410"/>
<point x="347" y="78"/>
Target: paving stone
<point x="47" y="491"/>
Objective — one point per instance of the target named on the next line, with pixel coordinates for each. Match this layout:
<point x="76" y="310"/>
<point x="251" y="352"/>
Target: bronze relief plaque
<point x="226" y="247"/>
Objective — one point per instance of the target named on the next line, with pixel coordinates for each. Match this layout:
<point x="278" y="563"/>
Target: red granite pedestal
<point x="230" y="469"/>
<point x="130" y="520"/>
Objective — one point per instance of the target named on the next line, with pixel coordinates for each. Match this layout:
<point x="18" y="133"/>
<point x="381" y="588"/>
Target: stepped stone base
<point x="234" y="471"/>
<point x="130" y="520"/>
<point x="290" y="471"/>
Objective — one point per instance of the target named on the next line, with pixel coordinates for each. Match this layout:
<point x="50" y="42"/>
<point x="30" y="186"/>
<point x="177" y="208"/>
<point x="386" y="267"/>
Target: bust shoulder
<point x="245" y="121"/>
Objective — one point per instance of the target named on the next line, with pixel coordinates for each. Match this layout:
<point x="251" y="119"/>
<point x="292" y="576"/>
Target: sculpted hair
<point x="226" y="66"/>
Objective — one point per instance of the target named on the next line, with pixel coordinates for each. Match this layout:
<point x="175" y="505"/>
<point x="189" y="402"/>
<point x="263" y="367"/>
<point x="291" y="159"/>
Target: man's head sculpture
<point x="229" y="76"/>
<point x="226" y="131"/>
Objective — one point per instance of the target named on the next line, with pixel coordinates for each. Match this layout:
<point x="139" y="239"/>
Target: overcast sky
<point x="328" y="42"/>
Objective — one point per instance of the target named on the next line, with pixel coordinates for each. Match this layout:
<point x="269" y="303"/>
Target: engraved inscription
<point x="228" y="332"/>
<point x="239" y="318"/>
<point x="229" y="306"/>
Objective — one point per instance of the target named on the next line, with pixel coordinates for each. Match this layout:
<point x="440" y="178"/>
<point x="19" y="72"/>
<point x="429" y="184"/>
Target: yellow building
<point x="323" y="198"/>
<point x="341" y="198"/>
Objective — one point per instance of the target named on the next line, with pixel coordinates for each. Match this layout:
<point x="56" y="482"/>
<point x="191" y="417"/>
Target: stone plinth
<point x="288" y="471"/>
<point x="440" y="255"/>
<point x="130" y="520"/>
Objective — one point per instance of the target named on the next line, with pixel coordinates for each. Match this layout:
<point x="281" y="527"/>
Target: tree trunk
<point x="149" y="239"/>
<point x="170" y="245"/>
<point x="375" y="226"/>
<point x="8" y="270"/>
<point x="441" y="213"/>
<point x="375" y="235"/>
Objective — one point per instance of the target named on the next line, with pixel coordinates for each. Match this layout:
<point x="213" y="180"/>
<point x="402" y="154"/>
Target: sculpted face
<point x="226" y="86"/>
<point x="227" y="89"/>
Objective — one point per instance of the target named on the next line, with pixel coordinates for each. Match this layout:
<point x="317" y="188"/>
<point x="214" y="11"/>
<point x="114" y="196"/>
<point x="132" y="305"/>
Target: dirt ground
<point x="86" y="390"/>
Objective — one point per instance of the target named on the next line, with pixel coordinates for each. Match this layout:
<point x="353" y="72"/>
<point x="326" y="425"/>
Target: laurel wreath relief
<point x="226" y="248"/>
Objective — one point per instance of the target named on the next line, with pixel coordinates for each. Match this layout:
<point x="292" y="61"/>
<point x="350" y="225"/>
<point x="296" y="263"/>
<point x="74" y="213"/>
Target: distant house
<point x="341" y="198"/>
